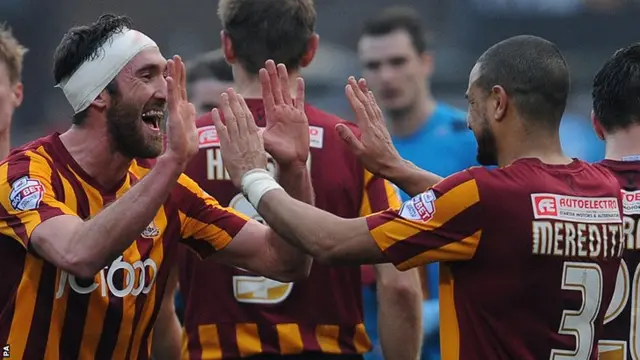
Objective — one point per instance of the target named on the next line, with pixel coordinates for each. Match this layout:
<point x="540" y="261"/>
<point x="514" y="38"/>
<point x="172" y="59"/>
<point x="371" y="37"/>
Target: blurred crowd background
<point x="586" y="30"/>
<point x="458" y="31"/>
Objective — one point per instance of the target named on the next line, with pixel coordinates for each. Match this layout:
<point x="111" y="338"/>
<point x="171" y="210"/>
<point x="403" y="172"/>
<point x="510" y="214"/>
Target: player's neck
<point x="623" y="143"/>
<point x="96" y="157"/>
<point x="407" y="121"/>
<point x="545" y="147"/>
<point x="249" y="85"/>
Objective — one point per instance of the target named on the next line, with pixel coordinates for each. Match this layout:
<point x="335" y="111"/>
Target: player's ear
<point x="498" y="101"/>
<point x="312" y="48"/>
<point x="597" y="127"/>
<point x="102" y="100"/>
<point x="17" y="94"/>
<point x="227" y="47"/>
<point x="427" y="61"/>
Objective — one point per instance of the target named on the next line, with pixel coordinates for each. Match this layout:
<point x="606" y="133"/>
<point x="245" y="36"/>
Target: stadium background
<point x="587" y="31"/>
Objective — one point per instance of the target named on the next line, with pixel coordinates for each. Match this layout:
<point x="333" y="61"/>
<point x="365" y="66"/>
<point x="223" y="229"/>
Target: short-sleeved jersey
<point x="255" y="315"/>
<point x="621" y="336"/>
<point x="529" y="255"/>
<point x="47" y="313"/>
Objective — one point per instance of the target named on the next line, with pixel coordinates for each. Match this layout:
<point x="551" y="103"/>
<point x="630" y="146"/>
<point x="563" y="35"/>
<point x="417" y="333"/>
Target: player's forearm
<point x="410" y="178"/>
<point x="292" y="261"/>
<point x="167" y="335"/>
<point x="323" y="235"/>
<point x="99" y="240"/>
<point x="399" y="313"/>
<point x="296" y="181"/>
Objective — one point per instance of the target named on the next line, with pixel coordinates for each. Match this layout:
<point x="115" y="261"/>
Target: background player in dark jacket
<point x="616" y="119"/>
<point x="537" y="241"/>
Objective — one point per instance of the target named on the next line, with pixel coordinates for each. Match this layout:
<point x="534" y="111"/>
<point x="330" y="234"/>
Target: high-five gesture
<point x="240" y="139"/>
<point x="374" y="148"/>
<point x="286" y="136"/>
<point x="182" y="136"/>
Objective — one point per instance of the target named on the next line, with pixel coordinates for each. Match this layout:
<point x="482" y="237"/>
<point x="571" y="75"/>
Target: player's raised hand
<point x="182" y="135"/>
<point x="286" y="136"/>
<point x="374" y="148"/>
<point x="241" y="142"/>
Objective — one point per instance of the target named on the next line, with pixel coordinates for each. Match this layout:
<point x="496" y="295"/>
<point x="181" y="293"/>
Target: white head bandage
<point x="86" y="83"/>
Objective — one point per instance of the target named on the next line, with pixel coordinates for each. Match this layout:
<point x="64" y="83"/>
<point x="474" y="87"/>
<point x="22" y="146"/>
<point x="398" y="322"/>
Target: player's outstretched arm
<point x="417" y="233"/>
<point x="374" y="148"/>
<point x="83" y="248"/>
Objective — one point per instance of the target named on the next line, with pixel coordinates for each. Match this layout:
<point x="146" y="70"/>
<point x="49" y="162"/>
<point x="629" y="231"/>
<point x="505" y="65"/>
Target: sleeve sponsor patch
<point x="26" y="194"/>
<point x="420" y="207"/>
<point x="576" y="209"/>
<point x="631" y="202"/>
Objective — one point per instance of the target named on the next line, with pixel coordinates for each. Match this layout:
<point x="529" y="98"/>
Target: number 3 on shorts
<point x="587" y="279"/>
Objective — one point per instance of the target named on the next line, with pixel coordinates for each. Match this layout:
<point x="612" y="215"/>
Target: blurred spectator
<point x="11" y="56"/>
<point x="208" y="75"/>
<point x="398" y="64"/>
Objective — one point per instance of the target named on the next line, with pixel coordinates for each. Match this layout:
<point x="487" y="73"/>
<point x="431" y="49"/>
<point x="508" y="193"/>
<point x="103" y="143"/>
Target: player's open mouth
<point x="153" y="118"/>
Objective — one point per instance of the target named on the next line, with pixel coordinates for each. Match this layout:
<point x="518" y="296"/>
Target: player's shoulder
<point x="33" y="157"/>
<point x="323" y="134"/>
<point x="465" y="178"/>
<point x="606" y="167"/>
<point x="323" y="119"/>
<point x="487" y="177"/>
<point x="185" y="191"/>
<point x="616" y="166"/>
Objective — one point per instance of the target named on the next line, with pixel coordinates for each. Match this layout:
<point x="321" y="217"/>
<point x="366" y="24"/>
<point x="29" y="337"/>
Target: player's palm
<point x="286" y="135"/>
<point x="182" y="135"/>
<point x="374" y="148"/>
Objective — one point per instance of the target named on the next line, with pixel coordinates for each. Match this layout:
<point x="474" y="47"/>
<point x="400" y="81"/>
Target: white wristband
<point x="256" y="183"/>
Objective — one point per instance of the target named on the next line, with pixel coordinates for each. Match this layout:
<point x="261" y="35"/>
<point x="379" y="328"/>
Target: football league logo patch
<point x="420" y="207"/>
<point x="26" y="194"/>
<point x="150" y="231"/>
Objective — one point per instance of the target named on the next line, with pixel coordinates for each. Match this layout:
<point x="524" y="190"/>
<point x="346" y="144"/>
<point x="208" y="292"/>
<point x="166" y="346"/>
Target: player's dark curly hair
<point x="82" y="43"/>
<point x="533" y="73"/>
<point x="616" y="90"/>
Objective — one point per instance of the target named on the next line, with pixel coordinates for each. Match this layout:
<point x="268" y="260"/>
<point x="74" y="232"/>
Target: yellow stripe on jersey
<point x="454" y="251"/>
<point x="449" y="327"/>
<point x="327" y="336"/>
<point x="209" y="340"/>
<point x="248" y="339"/>
<point x="391" y="196"/>
<point x="26" y="296"/>
<point x="290" y="339"/>
<point x="447" y="206"/>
